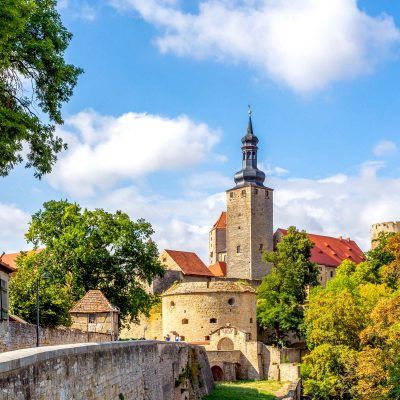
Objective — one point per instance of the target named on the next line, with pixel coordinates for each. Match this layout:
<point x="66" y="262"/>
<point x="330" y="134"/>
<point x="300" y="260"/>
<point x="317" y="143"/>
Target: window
<point x="254" y="155"/>
<point x="331" y="274"/>
<point x="207" y="338"/>
<point x="243" y="193"/>
<point x="231" y="194"/>
<point x="213" y="320"/>
<point x="92" y="318"/>
<point x="249" y="155"/>
<point x="255" y="191"/>
<point x="261" y="246"/>
<point x="185" y="321"/>
<point x="172" y="304"/>
<point x="231" y="301"/>
<point x="244" y="156"/>
<point x="4" y="300"/>
<point x="164" y="259"/>
<point x="267" y="194"/>
<point x="238" y="249"/>
<point x="182" y="338"/>
<point x="251" y="320"/>
<point x="211" y="254"/>
<point x="239" y="227"/>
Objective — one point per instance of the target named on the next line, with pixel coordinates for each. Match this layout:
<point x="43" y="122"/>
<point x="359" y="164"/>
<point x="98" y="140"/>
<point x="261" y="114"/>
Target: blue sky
<point x="155" y="122"/>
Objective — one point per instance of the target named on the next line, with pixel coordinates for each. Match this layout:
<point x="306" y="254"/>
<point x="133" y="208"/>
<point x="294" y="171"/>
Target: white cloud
<point x="385" y="148"/>
<point x="344" y="205"/>
<point x="104" y="150"/>
<point x="304" y="44"/>
<point x="13" y="226"/>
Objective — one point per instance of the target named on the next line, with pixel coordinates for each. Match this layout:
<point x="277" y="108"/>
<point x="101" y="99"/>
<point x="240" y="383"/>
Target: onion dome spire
<point x="249" y="174"/>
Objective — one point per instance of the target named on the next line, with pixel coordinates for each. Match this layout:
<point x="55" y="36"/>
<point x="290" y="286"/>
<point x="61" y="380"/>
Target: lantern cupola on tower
<point x="249" y="174"/>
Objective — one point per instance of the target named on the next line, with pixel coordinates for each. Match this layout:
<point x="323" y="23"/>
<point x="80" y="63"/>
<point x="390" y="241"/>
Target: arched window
<point x="254" y="155"/>
<point x="172" y="304"/>
<point x="231" y="301"/>
<point x="185" y="321"/>
<point x="249" y="155"/>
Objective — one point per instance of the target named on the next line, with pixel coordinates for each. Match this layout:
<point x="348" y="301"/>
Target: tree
<point x="358" y="314"/>
<point x="55" y="296"/>
<point x="35" y="81"/>
<point x="87" y="249"/>
<point x="284" y="290"/>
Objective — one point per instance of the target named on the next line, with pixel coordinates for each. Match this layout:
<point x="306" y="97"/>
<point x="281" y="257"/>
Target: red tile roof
<point x="218" y="269"/>
<point x="11" y="258"/>
<point x="5" y="267"/>
<point x="93" y="301"/>
<point x="221" y="221"/>
<point x="189" y="263"/>
<point x="331" y="251"/>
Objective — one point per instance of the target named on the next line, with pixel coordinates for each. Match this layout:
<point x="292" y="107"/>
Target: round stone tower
<point x="196" y="309"/>
<point x="386" y="227"/>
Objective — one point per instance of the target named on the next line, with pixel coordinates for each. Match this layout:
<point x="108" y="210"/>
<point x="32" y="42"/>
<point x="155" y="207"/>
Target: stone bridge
<point x="133" y="370"/>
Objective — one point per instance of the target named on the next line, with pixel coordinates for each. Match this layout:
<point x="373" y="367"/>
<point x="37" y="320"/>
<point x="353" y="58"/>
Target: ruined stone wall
<point x="195" y="315"/>
<point x="250" y="226"/>
<point x="112" y="371"/>
<point x="217" y="244"/>
<point x="386" y="227"/>
<point x="14" y="336"/>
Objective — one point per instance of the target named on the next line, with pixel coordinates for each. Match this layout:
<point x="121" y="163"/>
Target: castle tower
<point x="249" y="229"/>
<point x="384" y="227"/>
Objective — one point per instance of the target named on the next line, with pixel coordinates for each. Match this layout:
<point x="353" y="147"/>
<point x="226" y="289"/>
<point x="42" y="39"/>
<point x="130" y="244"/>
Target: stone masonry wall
<point x="250" y="226"/>
<point x="195" y="316"/>
<point x="120" y="370"/>
<point x="14" y="336"/>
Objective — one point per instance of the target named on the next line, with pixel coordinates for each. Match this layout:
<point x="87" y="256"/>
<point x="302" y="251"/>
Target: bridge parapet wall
<point x="114" y="371"/>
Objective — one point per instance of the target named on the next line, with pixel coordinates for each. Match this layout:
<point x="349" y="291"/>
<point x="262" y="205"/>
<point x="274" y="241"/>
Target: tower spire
<point x="249" y="174"/>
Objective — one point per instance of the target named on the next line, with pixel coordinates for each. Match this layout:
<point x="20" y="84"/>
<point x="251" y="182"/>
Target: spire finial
<point x="250" y="112"/>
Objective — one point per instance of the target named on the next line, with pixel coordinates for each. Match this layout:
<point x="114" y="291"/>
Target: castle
<point x="215" y="306"/>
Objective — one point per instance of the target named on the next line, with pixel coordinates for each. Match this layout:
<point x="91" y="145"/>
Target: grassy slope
<point x="257" y="390"/>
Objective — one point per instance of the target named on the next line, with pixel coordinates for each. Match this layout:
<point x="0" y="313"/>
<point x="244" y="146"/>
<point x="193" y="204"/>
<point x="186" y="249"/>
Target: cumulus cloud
<point x="104" y="150"/>
<point x="337" y="205"/>
<point x="342" y="204"/>
<point x="385" y="148"/>
<point x="13" y="226"/>
<point x="304" y="44"/>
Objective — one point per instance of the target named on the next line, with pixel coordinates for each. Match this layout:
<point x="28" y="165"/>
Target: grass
<point x="245" y="390"/>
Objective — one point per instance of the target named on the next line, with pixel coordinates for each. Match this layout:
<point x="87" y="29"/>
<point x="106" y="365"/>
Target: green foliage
<point x="95" y="250"/>
<point x="55" y="296"/>
<point x="353" y="328"/>
<point x="34" y="80"/>
<point x="284" y="290"/>
<point x="329" y="371"/>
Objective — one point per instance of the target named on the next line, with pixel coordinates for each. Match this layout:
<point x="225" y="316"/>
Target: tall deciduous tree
<point x="283" y="292"/>
<point x="35" y="81"/>
<point x="86" y="249"/>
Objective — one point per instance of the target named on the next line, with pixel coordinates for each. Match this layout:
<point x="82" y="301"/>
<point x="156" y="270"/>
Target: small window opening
<point x="92" y="318"/>
<point x="331" y="274"/>
<point x="254" y="155"/>
<point x="251" y="320"/>
<point x="185" y="321"/>
<point x="237" y="249"/>
<point x="267" y="194"/>
<point x="243" y="193"/>
<point x="213" y="320"/>
<point x="244" y="156"/>
<point x="207" y="338"/>
<point x="231" y="194"/>
<point x="261" y="246"/>
<point x="249" y="155"/>
<point x="231" y="301"/>
<point x="172" y="304"/>
<point x="255" y="191"/>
